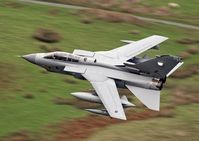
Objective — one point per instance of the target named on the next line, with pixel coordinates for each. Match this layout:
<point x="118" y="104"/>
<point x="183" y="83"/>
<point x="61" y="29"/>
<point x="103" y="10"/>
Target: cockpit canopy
<point x="62" y="56"/>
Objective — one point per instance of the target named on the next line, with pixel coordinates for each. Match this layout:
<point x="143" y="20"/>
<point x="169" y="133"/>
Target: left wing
<point x="107" y="91"/>
<point x="135" y="48"/>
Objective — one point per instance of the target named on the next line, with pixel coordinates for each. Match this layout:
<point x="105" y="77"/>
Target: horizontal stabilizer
<point x="150" y="98"/>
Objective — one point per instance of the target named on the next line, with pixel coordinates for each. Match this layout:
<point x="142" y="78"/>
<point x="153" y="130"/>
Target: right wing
<point x="135" y="48"/>
<point x="107" y="91"/>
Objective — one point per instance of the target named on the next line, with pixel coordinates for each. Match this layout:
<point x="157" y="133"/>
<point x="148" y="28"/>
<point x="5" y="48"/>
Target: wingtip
<point x="120" y="116"/>
<point x="163" y="37"/>
<point x="124" y="118"/>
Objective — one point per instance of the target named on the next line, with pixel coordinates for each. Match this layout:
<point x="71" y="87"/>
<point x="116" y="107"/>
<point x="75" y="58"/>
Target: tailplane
<point x="150" y="98"/>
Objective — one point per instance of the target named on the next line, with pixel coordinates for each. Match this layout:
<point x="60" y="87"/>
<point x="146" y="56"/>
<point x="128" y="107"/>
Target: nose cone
<point x="30" y="57"/>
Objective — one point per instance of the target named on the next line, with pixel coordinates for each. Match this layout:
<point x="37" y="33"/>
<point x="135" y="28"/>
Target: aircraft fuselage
<point x="78" y="64"/>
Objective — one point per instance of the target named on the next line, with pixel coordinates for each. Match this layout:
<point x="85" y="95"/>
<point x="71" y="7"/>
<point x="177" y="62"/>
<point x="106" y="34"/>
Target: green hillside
<point x="18" y="78"/>
<point x="186" y="11"/>
<point x="181" y="128"/>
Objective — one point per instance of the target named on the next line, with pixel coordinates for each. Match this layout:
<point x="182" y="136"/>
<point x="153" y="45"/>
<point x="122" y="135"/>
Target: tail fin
<point x="159" y="67"/>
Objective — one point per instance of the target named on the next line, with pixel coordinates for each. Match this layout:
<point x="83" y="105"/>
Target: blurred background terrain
<point x="37" y="105"/>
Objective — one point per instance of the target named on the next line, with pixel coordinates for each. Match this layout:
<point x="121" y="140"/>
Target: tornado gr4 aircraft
<point x="117" y="68"/>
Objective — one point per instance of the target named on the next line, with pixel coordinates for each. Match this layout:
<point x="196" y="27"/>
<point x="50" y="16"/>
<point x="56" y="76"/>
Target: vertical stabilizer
<point x="159" y="67"/>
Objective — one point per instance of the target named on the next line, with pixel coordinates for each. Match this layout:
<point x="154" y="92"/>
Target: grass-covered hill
<point x="175" y="10"/>
<point x="28" y="94"/>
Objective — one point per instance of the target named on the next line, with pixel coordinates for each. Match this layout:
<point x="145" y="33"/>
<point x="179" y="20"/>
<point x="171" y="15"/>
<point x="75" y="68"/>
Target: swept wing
<point x="107" y="91"/>
<point x="135" y="48"/>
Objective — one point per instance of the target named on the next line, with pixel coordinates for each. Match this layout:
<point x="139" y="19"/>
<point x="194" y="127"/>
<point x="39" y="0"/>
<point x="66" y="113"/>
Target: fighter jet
<point x="116" y="68"/>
